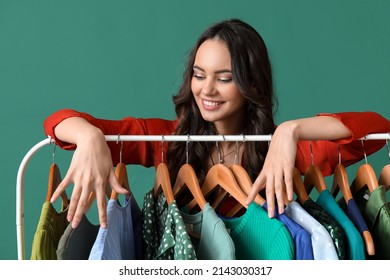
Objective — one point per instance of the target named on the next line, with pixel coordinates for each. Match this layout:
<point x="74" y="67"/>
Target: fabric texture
<point x="257" y="237"/>
<point x="49" y="230"/>
<point x="301" y="238"/>
<point x="209" y="235"/>
<point x="76" y="243"/>
<point x="355" y="241"/>
<point x="322" y="244"/>
<point x="334" y="229"/>
<point x="117" y="240"/>
<point x="164" y="231"/>
<point x="376" y="213"/>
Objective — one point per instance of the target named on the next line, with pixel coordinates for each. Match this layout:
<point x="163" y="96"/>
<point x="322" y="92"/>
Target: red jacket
<point x="325" y="153"/>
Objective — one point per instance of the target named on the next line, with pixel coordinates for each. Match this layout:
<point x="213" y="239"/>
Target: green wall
<point x="119" y="58"/>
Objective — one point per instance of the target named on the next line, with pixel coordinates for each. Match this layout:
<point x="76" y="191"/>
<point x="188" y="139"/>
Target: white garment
<point x="323" y="246"/>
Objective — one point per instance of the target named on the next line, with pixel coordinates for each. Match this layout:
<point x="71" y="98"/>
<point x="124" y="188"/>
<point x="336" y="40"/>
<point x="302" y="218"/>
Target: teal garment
<point x="334" y="229"/>
<point x="257" y="237"/>
<point x="164" y="231"/>
<point x="376" y="213"/>
<point x="356" y="249"/>
<point x="209" y="235"/>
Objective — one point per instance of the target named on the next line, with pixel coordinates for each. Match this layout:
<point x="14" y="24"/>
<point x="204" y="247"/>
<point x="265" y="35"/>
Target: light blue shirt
<point x="121" y="239"/>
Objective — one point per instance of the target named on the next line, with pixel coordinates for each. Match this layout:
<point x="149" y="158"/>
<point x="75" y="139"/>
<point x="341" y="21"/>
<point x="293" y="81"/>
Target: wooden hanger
<point x="314" y="178"/>
<point x="245" y="182"/>
<point x="384" y="177"/>
<point x="299" y="187"/>
<point x="365" y="176"/>
<point x="53" y="182"/>
<point x="221" y="175"/>
<point x="163" y="183"/>
<point x="340" y="182"/>
<point x="123" y="180"/>
<point x="186" y="178"/>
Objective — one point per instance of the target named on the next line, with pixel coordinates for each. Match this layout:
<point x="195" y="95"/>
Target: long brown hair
<point x="252" y="74"/>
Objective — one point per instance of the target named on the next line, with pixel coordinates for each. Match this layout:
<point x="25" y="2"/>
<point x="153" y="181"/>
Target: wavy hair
<point x="251" y="71"/>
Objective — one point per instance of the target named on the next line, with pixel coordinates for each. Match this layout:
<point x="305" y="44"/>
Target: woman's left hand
<point x="276" y="175"/>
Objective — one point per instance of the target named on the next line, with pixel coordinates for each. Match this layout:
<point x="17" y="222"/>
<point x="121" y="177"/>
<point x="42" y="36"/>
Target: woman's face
<point x="214" y="90"/>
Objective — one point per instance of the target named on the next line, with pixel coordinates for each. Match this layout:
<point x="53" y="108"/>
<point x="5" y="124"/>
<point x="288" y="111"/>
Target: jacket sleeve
<point x="325" y="154"/>
<point x="146" y="153"/>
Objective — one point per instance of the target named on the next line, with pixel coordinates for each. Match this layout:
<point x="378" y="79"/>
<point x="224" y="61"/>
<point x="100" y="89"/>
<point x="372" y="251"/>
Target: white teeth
<point x="210" y="103"/>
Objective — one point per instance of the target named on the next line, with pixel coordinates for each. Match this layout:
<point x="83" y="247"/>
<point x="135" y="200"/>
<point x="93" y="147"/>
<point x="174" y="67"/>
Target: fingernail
<point x="75" y="225"/>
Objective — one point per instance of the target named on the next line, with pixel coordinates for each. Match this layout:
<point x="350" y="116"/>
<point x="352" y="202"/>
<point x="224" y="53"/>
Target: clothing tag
<point x="366" y="196"/>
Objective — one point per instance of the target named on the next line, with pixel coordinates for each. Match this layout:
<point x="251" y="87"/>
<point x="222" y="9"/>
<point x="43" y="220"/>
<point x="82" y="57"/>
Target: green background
<point x="119" y="58"/>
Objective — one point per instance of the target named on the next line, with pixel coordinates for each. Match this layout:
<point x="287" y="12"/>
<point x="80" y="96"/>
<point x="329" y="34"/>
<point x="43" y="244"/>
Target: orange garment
<point x="148" y="153"/>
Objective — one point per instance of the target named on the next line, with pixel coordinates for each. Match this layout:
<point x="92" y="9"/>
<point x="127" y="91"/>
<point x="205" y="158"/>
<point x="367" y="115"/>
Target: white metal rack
<point x="160" y="138"/>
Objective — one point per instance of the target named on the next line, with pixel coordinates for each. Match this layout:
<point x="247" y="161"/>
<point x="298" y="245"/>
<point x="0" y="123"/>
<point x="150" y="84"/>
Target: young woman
<point x="227" y="89"/>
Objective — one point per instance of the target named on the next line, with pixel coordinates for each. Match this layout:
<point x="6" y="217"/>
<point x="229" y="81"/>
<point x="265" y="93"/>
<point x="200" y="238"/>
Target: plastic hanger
<point x="384" y="177"/>
<point x="365" y="176"/>
<point x="121" y="175"/>
<point x="313" y="177"/>
<point x="186" y="178"/>
<point x="162" y="181"/>
<point x="53" y="181"/>
<point x="340" y="182"/>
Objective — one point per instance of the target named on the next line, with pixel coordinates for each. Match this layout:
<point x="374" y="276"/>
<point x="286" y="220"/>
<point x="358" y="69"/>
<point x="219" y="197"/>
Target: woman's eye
<point x="225" y="80"/>
<point x="198" y="77"/>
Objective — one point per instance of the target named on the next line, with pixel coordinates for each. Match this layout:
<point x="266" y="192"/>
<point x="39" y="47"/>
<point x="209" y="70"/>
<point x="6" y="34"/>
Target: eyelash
<point x="199" y="77"/>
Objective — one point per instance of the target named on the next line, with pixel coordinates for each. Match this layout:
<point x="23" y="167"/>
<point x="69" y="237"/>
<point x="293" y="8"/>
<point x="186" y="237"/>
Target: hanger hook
<point x="387" y="145"/>
<point x="364" y="150"/>
<point x="54" y="153"/>
<point x="120" y="151"/>
<point x="162" y="148"/>
<point x="339" y="149"/>
<point x="218" y="151"/>
<point x="187" y="154"/>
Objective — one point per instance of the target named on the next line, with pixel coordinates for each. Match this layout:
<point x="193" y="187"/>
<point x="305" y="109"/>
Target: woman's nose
<point x="208" y="87"/>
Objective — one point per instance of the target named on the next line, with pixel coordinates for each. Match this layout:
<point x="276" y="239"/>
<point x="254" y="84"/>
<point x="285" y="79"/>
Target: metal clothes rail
<point x="182" y="138"/>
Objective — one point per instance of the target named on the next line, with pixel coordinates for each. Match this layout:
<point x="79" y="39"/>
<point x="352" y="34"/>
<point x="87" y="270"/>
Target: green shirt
<point x="164" y="231"/>
<point x="257" y="237"/>
<point x="50" y="228"/>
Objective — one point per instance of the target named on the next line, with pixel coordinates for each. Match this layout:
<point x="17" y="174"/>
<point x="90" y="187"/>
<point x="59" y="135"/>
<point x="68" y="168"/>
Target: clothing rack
<point x="123" y="138"/>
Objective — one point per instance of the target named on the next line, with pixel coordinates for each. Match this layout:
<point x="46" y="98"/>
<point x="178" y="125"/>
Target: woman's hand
<point x="276" y="175"/>
<point x="91" y="170"/>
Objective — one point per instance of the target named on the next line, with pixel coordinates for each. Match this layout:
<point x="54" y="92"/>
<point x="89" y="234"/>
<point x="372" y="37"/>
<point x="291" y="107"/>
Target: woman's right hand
<point x="91" y="170"/>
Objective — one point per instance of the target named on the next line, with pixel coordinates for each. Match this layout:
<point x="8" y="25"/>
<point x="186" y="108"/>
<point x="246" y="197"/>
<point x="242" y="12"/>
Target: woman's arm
<point x="280" y="160"/>
<point x="91" y="168"/>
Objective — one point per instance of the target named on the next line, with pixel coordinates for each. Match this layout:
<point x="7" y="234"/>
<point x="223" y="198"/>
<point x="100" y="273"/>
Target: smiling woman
<point x="227" y="89"/>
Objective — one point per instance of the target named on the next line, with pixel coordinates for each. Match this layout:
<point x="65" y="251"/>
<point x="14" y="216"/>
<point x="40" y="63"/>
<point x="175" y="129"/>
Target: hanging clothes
<point x="356" y="250"/>
<point x="50" y="228"/>
<point x="164" y="231"/>
<point x="301" y="238"/>
<point x="322" y="244"/>
<point x="77" y="243"/>
<point x="118" y="241"/>
<point x="334" y="229"/>
<point x="257" y="237"/>
<point x="376" y="212"/>
<point x="209" y="235"/>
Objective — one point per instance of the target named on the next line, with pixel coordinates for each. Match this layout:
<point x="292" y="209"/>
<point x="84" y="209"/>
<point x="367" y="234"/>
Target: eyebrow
<point x="216" y="72"/>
